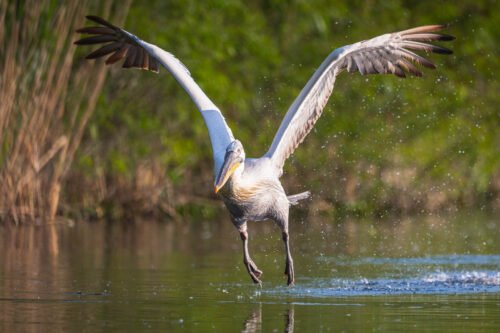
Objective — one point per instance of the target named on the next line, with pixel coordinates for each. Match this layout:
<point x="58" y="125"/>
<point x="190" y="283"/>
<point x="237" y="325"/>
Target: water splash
<point x="472" y="278"/>
<point x="453" y="274"/>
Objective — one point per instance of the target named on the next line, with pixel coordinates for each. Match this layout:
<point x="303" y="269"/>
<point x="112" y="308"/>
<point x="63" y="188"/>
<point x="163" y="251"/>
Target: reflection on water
<point x="415" y="275"/>
<point x="253" y="323"/>
<point x="289" y="320"/>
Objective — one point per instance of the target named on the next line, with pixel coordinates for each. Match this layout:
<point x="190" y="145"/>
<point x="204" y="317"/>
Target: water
<point x="429" y="274"/>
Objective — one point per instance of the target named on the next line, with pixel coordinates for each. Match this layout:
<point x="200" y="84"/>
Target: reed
<point x="46" y="101"/>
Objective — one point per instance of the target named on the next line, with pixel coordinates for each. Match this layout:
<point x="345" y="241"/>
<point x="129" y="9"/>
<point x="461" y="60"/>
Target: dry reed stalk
<point x="46" y="104"/>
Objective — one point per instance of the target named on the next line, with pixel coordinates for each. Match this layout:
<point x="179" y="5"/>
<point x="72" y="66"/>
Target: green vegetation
<point x="383" y="144"/>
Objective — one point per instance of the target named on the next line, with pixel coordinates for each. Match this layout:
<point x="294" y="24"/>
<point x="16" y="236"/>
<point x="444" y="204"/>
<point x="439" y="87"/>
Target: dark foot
<point x="254" y="278"/>
<point x="253" y="271"/>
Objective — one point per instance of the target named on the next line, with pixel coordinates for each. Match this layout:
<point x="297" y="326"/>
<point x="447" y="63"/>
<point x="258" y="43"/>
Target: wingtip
<point x="442" y="50"/>
<point x="101" y="21"/>
<point x="93" y="18"/>
<point x="78" y="42"/>
<point x="446" y="38"/>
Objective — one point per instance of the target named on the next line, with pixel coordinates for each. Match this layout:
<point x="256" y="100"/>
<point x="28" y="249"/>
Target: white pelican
<point x="250" y="187"/>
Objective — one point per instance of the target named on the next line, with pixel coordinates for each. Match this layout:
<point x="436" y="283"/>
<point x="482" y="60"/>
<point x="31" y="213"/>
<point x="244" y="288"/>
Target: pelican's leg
<point x="289" y="261"/>
<point x="252" y="269"/>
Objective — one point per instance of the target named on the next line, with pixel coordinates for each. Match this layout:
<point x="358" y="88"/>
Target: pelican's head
<point x="233" y="164"/>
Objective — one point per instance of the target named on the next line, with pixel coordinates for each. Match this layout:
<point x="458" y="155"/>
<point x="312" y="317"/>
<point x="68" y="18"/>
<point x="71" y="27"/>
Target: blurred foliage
<point x="382" y="143"/>
<point x="46" y="101"/>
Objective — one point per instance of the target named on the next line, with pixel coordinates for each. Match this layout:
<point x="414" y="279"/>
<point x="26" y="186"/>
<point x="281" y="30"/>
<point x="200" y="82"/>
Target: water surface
<point x="426" y="274"/>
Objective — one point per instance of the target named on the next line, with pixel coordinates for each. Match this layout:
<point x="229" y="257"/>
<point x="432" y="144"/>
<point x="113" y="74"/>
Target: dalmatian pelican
<point x="251" y="187"/>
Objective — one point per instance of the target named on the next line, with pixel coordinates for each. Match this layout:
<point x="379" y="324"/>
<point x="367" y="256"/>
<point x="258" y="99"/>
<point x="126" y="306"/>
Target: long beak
<point x="231" y="163"/>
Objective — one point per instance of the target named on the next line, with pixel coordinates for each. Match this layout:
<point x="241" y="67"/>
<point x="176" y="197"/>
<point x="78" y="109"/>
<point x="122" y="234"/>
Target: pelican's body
<point x="253" y="195"/>
<point x="250" y="187"/>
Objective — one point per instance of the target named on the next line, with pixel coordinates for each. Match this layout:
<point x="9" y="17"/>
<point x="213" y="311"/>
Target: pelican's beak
<point x="231" y="162"/>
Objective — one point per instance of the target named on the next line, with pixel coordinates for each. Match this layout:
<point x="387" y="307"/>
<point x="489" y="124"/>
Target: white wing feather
<point x="143" y="55"/>
<point x="388" y="53"/>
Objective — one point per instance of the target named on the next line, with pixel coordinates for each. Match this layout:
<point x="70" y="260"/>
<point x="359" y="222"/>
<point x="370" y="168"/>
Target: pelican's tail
<point x="294" y="199"/>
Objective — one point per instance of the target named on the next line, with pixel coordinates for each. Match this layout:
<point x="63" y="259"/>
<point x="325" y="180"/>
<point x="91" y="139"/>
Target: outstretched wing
<point x="386" y="54"/>
<point x="137" y="53"/>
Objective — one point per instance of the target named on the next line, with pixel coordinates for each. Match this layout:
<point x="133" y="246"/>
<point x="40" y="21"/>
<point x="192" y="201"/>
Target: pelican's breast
<point x="256" y="194"/>
<point x="262" y="199"/>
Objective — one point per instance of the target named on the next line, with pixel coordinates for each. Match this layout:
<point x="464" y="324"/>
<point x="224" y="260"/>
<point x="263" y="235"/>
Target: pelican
<point x="251" y="187"/>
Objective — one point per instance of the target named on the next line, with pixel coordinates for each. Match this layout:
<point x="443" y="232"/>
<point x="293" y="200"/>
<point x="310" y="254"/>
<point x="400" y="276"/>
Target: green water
<point x="427" y="274"/>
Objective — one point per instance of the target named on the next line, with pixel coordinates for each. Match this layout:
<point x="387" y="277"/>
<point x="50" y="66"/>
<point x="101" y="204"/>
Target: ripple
<point x="432" y="283"/>
<point x="479" y="278"/>
<point x="490" y="260"/>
